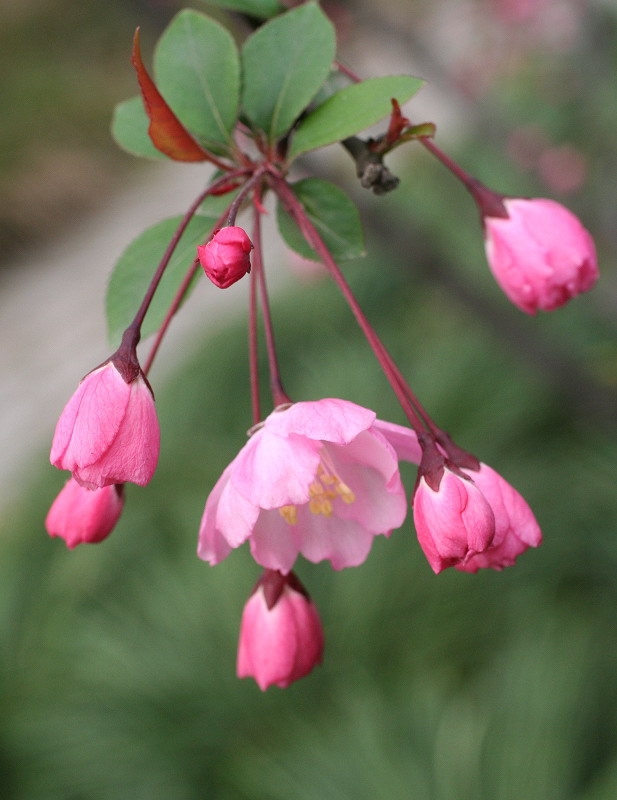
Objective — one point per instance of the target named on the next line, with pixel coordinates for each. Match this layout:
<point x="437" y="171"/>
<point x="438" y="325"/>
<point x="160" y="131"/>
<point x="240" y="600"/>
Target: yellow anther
<point x="345" y="493"/>
<point x="289" y="514"/>
<point x="320" y="505"/>
<point x="325" y="488"/>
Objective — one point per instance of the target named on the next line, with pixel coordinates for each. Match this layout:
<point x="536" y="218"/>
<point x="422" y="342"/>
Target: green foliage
<point x="351" y="110"/>
<point x="197" y="70"/>
<point x="129" y="127"/>
<point x="284" y="64"/>
<point x="135" y="267"/>
<point x="334" y="215"/>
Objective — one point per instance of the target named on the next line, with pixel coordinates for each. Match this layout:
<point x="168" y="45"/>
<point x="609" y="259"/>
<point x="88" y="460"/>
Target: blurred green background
<point x="117" y="671"/>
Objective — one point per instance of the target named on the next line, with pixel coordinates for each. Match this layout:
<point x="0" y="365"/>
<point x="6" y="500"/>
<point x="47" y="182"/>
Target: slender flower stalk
<point x="279" y="396"/>
<point x="137" y="322"/>
<point x="185" y="284"/>
<point x="250" y="184"/>
<point x="253" y="344"/>
<point x="418" y="419"/>
<point x="171" y="312"/>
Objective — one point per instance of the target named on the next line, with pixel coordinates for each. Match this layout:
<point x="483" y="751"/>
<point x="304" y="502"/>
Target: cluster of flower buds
<point x="107" y="435"/>
<point x="317" y="479"/>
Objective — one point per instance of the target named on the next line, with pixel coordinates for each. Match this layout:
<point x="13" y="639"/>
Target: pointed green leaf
<point x="129" y="127"/>
<point x="134" y="270"/>
<point x="284" y="64"/>
<point x="334" y="215"/>
<point x="262" y="9"/>
<point x="197" y="70"/>
<point x="351" y="110"/>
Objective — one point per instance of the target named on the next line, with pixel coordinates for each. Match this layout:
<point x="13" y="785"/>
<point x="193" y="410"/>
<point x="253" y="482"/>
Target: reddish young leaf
<point x="166" y="131"/>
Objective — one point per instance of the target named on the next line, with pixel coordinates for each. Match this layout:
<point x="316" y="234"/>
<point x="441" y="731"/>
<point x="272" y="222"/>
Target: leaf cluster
<point x="268" y="86"/>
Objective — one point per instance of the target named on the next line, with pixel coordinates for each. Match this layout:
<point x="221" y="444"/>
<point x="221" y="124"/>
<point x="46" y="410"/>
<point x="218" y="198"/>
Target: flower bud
<point x="539" y="253"/>
<point x="516" y="528"/>
<point x="226" y="257"/>
<point x="281" y="637"/>
<point x="108" y="432"/>
<point x="454" y="522"/>
<point x="80" y="515"/>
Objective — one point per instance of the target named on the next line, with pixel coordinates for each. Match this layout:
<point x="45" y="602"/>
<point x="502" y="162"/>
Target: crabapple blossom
<point x="108" y="432"/>
<point x="226" y="257"/>
<point x="454" y="522"/>
<point x="316" y="478"/>
<point x="79" y="515"/>
<point x="516" y="528"/>
<point x="539" y="253"/>
<point x="281" y="638"/>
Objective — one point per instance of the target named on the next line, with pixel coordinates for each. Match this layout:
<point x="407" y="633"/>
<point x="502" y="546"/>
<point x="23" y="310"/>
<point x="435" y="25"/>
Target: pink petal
<point x="213" y="545"/>
<point x="91" y="419"/>
<point x="343" y="542"/>
<point x="328" y="420"/>
<point x="403" y="440"/>
<point x="274" y="542"/>
<point x="271" y="471"/>
<point x="133" y="453"/>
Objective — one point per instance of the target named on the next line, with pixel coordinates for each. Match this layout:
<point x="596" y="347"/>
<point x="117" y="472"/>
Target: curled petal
<point x="540" y="254"/>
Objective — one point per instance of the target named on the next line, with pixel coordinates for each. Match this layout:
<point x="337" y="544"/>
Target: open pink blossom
<point x="516" y="528"/>
<point x="453" y="522"/>
<point x="108" y="432"/>
<point x="317" y="478"/>
<point x="281" y="638"/>
<point x="226" y="257"/>
<point x="80" y="515"/>
<point x="540" y="254"/>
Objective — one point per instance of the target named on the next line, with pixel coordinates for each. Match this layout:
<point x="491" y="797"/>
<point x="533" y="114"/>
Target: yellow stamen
<point x="326" y="487"/>
<point x="289" y="514"/>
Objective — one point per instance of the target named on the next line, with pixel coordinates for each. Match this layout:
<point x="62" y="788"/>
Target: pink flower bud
<point x="226" y="257"/>
<point x="454" y="522"/>
<point x="80" y="515"/>
<point x="281" y="637"/>
<point x="540" y="254"/>
<point x="108" y="432"/>
<point x="516" y="528"/>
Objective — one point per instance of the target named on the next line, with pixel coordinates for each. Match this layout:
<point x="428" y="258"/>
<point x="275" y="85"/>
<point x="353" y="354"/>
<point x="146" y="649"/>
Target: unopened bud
<point x="281" y="638"/>
<point x="226" y="257"/>
<point x="540" y="253"/>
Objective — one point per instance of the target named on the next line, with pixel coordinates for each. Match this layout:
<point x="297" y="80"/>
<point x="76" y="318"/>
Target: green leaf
<point x="262" y="9"/>
<point x="334" y="215"/>
<point x="197" y="70"/>
<point x="129" y="128"/>
<point x="134" y="270"/>
<point x="284" y="64"/>
<point x="351" y="110"/>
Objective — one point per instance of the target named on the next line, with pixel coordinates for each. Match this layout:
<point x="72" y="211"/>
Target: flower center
<point x="325" y="488"/>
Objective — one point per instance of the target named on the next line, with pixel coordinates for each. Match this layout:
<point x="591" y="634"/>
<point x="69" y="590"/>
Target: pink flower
<point x="226" y="257"/>
<point x="454" y="521"/>
<point x="281" y="639"/>
<point x="516" y="528"/>
<point x="317" y="478"/>
<point x="540" y="254"/>
<point x="80" y="515"/>
<point x="108" y="432"/>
